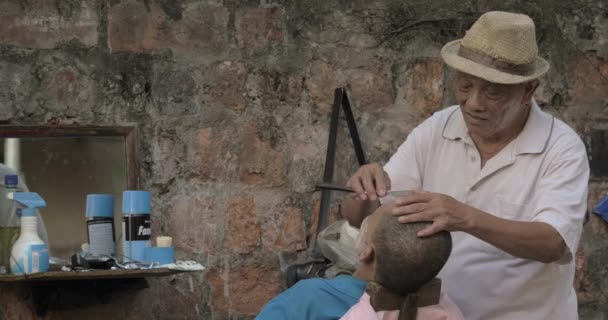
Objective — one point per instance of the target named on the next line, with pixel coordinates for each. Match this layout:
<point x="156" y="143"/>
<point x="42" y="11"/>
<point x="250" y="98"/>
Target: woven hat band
<point x="518" y="69"/>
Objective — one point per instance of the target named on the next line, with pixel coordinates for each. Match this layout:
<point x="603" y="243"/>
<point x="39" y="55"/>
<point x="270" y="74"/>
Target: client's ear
<point x="367" y="254"/>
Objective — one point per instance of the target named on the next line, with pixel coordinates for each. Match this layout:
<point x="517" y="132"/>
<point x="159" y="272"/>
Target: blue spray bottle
<point x="29" y="254"/>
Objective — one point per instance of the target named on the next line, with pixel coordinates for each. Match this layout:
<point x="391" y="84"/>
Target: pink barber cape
<point x="445" y="310"/>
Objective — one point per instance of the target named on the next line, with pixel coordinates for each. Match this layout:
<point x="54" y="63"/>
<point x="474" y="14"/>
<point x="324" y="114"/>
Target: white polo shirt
<point x="542" y="175"/>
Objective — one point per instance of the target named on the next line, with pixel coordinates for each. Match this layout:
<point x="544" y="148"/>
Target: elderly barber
<point x="509" y="180"/>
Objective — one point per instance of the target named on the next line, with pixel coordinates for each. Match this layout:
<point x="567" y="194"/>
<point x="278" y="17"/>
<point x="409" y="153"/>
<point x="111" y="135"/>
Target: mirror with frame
<point x="66" y="163"/>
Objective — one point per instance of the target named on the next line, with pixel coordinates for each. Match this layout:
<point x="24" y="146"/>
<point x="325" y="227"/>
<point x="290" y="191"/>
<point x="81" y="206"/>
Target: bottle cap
<point x="100" y="205"/>
<point x="163" y="241"/>
<point x="11" y="180"/>
<point x="135" y="201"/>
<point x="29" y="201"/>
<point x="28" y="212"/>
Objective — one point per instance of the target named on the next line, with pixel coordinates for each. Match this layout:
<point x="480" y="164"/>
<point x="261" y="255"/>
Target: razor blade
<point x="398" y="193"/>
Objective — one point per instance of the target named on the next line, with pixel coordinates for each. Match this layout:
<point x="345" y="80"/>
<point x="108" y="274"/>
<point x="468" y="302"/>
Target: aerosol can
<point x="29" y="254"/>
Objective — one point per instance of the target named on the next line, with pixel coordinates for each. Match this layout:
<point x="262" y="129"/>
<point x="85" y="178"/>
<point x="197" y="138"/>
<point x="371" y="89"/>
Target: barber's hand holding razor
<point x="370" y="182"/>
<point x="445" y="212"/>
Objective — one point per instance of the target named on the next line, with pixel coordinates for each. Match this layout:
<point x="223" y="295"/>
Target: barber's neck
<point x="489" y="146"/>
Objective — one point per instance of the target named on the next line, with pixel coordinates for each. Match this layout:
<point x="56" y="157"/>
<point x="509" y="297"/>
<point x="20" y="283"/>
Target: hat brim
<point x="450" y="56"/>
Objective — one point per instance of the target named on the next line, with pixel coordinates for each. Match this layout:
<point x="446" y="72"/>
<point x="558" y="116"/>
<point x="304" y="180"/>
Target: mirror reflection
<point x="63" y="170"/>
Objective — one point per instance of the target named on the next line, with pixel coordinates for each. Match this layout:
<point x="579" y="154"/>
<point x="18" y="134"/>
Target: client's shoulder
<point x="340" y="285"/>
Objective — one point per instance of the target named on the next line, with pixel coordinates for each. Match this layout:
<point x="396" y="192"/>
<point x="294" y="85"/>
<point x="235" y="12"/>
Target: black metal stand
<point x="340" y="102"/>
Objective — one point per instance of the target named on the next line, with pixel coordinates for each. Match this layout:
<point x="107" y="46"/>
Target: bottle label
<point x="40" y="258"/>
<point x="136" y="227"/>
<point x="101" y="236"/>
<point x="34" y="259"/>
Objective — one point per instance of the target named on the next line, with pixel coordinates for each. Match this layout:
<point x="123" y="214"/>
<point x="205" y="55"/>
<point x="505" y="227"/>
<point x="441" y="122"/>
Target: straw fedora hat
<point x="500" y="47"/>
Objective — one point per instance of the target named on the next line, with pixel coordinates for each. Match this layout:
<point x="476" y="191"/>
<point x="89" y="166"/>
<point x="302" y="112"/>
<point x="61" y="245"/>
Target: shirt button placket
<point x="473" y="169"/>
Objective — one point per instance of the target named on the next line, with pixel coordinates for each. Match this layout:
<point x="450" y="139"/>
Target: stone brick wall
<point x="232" y="101"/>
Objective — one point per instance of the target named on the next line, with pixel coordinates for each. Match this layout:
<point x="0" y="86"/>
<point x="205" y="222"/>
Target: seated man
<point x="402" y="266"/>
<point x="390" y="255"/>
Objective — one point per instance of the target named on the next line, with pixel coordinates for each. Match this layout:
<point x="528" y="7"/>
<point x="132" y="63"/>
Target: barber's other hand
<point x="370" y="182"/>
<point x="445" y="212"/>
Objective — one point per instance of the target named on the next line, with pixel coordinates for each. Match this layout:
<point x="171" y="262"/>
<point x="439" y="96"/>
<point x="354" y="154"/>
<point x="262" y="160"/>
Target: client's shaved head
<point x="404" y="261"/>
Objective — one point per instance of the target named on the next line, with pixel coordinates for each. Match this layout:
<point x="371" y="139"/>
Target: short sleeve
<point x="405" y="168"/>
<point x="563" y="193"/>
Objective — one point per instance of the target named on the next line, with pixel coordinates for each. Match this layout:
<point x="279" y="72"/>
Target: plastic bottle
<point x="30" y="254"/>
<point x="9" y="221"/>
<point x="100" y="224"/>
<point x="135" y="224"/>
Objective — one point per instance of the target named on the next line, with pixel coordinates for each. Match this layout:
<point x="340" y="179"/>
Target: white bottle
<point x="30" y="254"/>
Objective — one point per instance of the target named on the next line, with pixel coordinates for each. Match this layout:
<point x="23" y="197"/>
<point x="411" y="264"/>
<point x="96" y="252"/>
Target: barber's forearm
<point x="355" y="210"/>
<point x="528" y="240"/>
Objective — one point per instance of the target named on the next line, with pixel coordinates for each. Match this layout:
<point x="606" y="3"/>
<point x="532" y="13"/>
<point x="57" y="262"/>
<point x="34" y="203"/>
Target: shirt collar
<point x="455" y="128"/>
<point x="532" y="139"/>
<point x="349" y="285"/>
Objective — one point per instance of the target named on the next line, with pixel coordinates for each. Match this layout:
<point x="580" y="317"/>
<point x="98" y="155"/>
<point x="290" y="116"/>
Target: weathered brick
<point x="371" y="88"/>
<point x="229" y="85"/>
<point x="215" y="156"/>
<point x="15" y="88"/>
<point x="260" y="27"/>
<point x="156" y="227"/>
<point x="334" y="215"/>
<point x="182" y="297"/>
<point x="274" y="87"/>
<point x="284" y="229"/>
<point x="219" y="292"/>
<point x="321" y="81"/>
<point x="66" y="89"/>
<point x="63" y="85"/>
<point x="133" y="27"/>
<point x="128" y="24"/>
<point x="424" y="86"/>
<point x="175" y="89"/>
<point x="263" y="160"/>
<point x="307" y="144"/>
<point x="168" y="153"/>
<point x="252" y="287"/>
<point x="41" y="25"/>
<point x="582" y="282"/>
<point x="294" y="87"/>
<point x="243" y="290"/>
<point x="202" y="28"/>
<point x="191" y="223"/>
<point x="587" y="84"/>
<point x="243" y="230"/>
